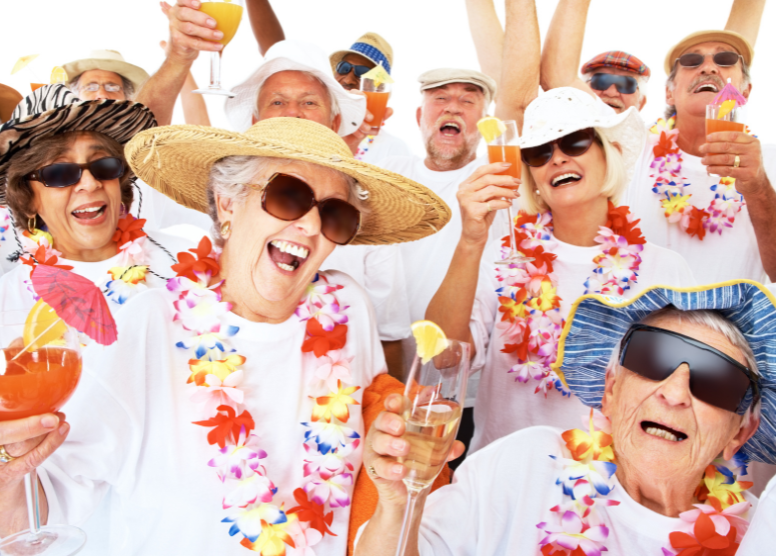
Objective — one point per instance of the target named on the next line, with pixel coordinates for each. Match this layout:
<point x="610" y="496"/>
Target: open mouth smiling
<point x="706" y="88"/>
<point x="287" y="256"/>
<point x="450" y="129"/>
<point x="565" y="179"/>
<point x="662" y="431"/>
<point x="92" y="211"/>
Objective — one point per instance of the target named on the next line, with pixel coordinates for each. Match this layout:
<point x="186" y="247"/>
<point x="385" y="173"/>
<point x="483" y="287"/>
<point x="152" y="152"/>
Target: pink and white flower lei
<point x="267" y="524"/>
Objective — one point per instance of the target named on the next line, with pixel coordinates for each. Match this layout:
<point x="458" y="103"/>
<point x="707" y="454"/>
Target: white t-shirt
<point x="378" y="269"/>
<point x="8" y="243"/>
<point x="504" y="405"/>
<point x="132" y="431"/>
<point x="382" y="146"/>
<point x="716" y="258"/>
<point x="501" y="493"/>
<point x="761" y="536"/>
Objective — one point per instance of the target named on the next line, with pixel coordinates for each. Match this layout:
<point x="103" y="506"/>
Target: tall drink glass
<point x="433" y="403"/>
<point x="40" y="366"/>
<point x="506" y="148"/>
<point x="227" y="15"/>
<point x="377" y="94"/>
<point x="728" y="121"/>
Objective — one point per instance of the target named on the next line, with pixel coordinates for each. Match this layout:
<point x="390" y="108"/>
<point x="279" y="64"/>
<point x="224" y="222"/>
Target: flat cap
<point x="443" y="76"/>
<point x="619" y="60"/>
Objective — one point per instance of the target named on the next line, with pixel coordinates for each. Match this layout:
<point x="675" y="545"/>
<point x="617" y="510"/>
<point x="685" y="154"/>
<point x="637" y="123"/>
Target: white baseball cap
<point x="291" y="55"/>
<point x="559" y="112"/>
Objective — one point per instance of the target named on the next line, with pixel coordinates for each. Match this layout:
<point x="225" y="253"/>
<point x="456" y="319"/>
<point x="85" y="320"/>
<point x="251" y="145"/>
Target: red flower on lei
<point x="188" y="264"/>
<point x="40" y="257"/>
<point x="129" y="229"/>
<point x="228" y="425"/>
<point x="617" y="220"/>
<point x="320" y="341"/>
<point x="311" y="511"/>
<point x="707" y="542"/>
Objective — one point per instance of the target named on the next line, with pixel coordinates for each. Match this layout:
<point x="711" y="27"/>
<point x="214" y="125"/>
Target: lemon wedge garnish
<point x="430" y="339"/>
<point x="491" y="127"/>
<point x="725" y="108"/>
<point x="378" y="75"/>
<point x="58" y="75"/>
<point x="43" y="326"/>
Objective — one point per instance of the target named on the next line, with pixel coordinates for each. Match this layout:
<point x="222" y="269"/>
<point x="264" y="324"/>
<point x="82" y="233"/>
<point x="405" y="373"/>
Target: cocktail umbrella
<point x="77" y="301"/>
<point x="728" y="99"/>
<point x="22" y="62"/>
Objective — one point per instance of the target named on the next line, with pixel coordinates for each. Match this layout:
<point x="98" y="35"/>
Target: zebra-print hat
<point x="54" y="110"/>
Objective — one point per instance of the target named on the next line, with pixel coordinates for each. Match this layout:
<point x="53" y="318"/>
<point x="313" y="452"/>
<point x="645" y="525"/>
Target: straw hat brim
<point x="176" y="160"/>
<point x="736" y="40"/>
<point x="135" y="74"/>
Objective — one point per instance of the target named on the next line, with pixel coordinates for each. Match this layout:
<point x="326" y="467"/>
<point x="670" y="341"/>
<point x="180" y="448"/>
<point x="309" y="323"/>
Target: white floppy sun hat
<point x="291" y="55"/>
<point x="558" y="112"/>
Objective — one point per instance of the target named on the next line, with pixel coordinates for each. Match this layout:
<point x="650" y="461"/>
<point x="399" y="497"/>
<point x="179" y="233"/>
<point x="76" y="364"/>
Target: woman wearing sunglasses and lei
<point x="686" y="382"/>
<point x="231" y="412"/>
<point x="69" y="189"/>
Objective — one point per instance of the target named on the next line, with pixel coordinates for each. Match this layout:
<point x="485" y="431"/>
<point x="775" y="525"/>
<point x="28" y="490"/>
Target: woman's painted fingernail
<point x="49" y="422"/>
<point x="398" y="444"/>
<point x="506" y="164"/>
<point x="64" y="429"/>
<point x="211" y="22"/>
<point x="397" y="469"/>
<point x="195" y="4"/>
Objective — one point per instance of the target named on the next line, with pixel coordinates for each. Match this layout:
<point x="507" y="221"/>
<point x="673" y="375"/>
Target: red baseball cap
<point x="619" y="60"/>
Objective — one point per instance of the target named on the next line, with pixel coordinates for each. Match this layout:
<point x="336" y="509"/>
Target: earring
<point x="226" y="228"/>
<point x="537" y="192"/>
<point x="123" y="211"/>
<point x="31" y="224"/>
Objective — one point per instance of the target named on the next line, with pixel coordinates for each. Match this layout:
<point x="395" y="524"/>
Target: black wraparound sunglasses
<point x="65" y="174"/>
<point x="573" y="144"/>
<point x="715" y="377"/>
<point x="343" y="68"/>
<point x="625" y="84"/>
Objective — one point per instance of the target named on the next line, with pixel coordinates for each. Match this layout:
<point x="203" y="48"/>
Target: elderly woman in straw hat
<point x="686" y="381"/>
<point x="229" y="416"/>
<point x="577" y="156"/>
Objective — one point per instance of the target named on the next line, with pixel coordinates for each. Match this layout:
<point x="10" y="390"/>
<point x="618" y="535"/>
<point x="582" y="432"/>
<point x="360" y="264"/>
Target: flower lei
<point x="670" y="187"/>
<point x="215" y="376"/>
<point x="531" y="321"/>
<point x="576" y="529"/>
<point x="363" y="148"/>
<point x="127" y="278"/>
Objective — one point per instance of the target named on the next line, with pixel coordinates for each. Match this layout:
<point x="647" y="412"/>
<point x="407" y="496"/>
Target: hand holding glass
<point x="227" y="15"/>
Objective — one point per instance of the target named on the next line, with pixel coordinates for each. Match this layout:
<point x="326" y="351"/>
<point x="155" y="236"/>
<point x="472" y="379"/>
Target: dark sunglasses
<point x="343" y="68"/>
<point x="722" y="59"/>
<point x="573" y="144"/>
<point x="65" y="174"/>
<point x="715" y="378"/>
<point x="625" y="84"/>
<point x="288" y="198"/>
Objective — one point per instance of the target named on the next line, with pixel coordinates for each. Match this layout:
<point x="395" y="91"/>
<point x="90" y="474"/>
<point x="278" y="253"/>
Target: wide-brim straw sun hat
<point x="291" y="55"/>
<point x="54" y="110"/>
<point x="369" y="45"/>
<point x="736" y="40"/>
<point x="176" y="160"/>
<point x="564" y="110"/>
<point x="9" y="98"/>
<point x="596" y="324"/>
<point x="107" y="60"/>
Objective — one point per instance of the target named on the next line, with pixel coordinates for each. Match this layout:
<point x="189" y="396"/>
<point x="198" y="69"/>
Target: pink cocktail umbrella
<point x="728" y="99"/>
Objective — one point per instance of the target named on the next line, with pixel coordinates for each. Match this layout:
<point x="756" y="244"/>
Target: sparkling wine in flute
<point x="430" y="431"/>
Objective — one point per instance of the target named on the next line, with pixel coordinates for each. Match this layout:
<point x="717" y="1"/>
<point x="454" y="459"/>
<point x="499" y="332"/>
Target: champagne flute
<point x="433" y="404"/>
<point x="227" y="15"/>
<point x="506" y="148"/>
<point x="40" y="366"/>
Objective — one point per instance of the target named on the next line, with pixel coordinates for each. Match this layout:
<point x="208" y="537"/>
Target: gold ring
<point x="5" y="457"/>
<point x="737" y="162"/>
<point x="487" y="204"/>
<point x="370" y="470"/>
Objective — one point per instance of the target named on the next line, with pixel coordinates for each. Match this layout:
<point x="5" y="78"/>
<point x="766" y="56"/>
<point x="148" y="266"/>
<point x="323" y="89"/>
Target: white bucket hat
<point x="558" y="112"/>
<point x="107" y="60"/>
<point x="294" y="56"/>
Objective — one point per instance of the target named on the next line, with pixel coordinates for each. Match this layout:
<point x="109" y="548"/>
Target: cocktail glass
<point x="40" y="366"/>
<point x="433" y="402"/>
<point x="377" y="94"/>
<point x="227" y="15"/>
<point x="722" y="119"/>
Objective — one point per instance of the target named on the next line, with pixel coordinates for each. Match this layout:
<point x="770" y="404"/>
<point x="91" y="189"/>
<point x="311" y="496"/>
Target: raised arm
<point x="520" y="63"/>
<point x="563" y="46"/>
<point x="745" y="17"/>
<point x="488" y="36"/>
<point x="265" y="24"/>
<point x="194" y="107"/>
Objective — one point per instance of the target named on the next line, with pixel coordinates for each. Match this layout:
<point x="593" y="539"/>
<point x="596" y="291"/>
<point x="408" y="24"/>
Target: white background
<point x="424" y="34"/>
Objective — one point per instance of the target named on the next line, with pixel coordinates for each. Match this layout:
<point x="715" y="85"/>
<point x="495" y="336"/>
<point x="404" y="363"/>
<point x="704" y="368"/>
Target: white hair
<point x="230" y="176"/>
<point x="335" y="107"/>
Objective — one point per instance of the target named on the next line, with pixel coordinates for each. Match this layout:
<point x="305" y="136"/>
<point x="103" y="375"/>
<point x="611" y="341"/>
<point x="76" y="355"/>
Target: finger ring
<point x="737" y="162"/>
<point x="5" y="457"/>
<point x="370" y="470"/>
<point x="487" y="204"/>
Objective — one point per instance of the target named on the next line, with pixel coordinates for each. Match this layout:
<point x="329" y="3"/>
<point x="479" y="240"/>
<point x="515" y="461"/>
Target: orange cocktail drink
<point x="713" y="126"/>
<point x="227" y="16"/>
<point x="377" y="84"/>
<point x="376" y="103"/>
<point x="720" y="117"/>
<point x="506" y="153"/>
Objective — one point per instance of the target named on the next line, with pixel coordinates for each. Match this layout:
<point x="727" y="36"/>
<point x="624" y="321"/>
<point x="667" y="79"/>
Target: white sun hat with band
<point x="107" y="60"/>
<point x="176" y="160"/>
<point x="559" y="112"/>
<point x="290" y="55"/>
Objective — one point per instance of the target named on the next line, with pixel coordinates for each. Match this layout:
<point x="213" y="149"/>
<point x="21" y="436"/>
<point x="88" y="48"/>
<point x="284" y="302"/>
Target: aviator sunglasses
<point x="343" y="68"/>
<point x="288" y="198"/>
<point x="624" y="84"/>
<point x="65" y="174"/>
<point x="722" y="59"/>
<point x="715" y="378"/>
<point x="573" y="144"/>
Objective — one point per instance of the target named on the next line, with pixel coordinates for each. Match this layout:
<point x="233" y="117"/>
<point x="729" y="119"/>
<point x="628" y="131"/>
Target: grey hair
<point x="335" y="107"/>
<point x="671" y="83"/>
<point x="714" y="321"/>
<point x="230" y="176"/>
<point x="126" y="85"/>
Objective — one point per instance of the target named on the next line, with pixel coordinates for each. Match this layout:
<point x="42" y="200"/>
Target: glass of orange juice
<point x="227" y="15"/>
<point x="721" y="118"/>
<point x="377" y="94"/>
<point x="40" y="367"/>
